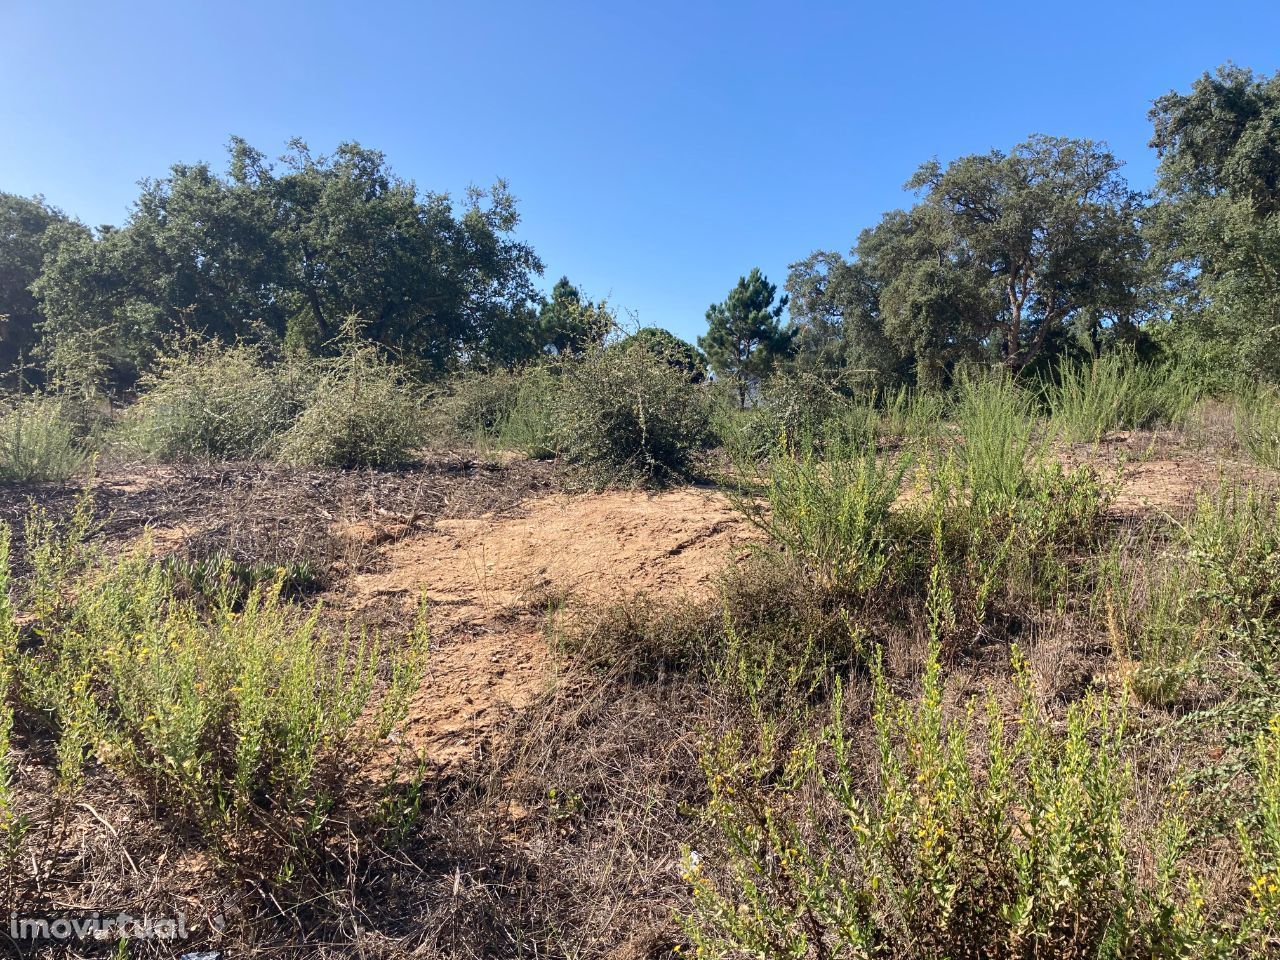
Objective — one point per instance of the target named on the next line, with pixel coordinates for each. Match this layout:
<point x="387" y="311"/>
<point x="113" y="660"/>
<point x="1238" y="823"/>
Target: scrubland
<point x="586" y="660"/>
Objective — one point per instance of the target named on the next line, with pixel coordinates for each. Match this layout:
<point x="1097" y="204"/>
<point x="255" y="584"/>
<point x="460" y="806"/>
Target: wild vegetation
<point x="961" y="690"/>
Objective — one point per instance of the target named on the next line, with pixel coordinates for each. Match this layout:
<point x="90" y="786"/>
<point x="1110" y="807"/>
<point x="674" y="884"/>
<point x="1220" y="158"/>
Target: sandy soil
<point x="491" y="581"/>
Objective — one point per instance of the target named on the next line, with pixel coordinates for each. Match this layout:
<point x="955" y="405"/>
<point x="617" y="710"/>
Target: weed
<point x="216" y="403"/>
<point x="239" y="717"/>
<point x="38" y="442"/>
<point x="1021" y="856"/>
<point x="832" y="518"/>
<point x="1116" y="390"/>
<point x="1257" y="417"/>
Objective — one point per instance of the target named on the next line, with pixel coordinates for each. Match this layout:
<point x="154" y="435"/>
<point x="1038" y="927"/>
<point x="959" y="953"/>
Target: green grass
<point x="1257" y="418"/>
<point x="1087" y="400"/>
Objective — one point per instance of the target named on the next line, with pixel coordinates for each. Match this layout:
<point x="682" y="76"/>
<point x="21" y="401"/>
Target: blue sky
<point x="659" y="150"/>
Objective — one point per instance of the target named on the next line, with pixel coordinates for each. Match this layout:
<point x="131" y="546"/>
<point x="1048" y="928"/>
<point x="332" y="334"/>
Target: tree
<point x="1003" y="254"/>
<point x="30" y="230"/>
<point x="840" y="335"/>
<point x="745" y="337"/>
<point x="568" y="324"/>
<point x="1218" y="222"/>
<point x="1051" y="227"/>
<point x="670" y="349"/>
<point x="267" y="252"/>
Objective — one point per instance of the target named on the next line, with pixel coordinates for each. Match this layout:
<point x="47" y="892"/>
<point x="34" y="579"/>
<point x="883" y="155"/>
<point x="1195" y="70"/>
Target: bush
<point x="999" y="528"/>
<point x="476" y="404"/>
<point x="509" y="409"/>
<point x="795" y="410"/>
<point x="38" y="441"/>
<point x="1206" y="605"/>
<point x="964" y="833"/>
<point x="1088" y="400"/>
<point x="238" y="716"/>
<point x="993" y="416"/>
<point x="1257" y="415"/>
<point x="626" y="416"/>
<point x="363" y="411"/>
<point x="216" y="403"/>
<point x="832" y="519"/>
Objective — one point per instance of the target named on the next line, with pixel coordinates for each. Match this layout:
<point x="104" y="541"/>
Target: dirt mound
<point x="491" y="580"/>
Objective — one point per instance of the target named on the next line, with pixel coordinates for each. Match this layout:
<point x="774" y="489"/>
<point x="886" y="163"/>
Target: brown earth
<point x="491" y="581"/>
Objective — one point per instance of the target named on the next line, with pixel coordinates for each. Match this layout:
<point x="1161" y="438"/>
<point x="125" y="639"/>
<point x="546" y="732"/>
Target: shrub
<point x="529" y="423"/>
<point x="970" y="833"/>
<point x="476" y="404"/>
<point x="38" y="441"/>
<point x="1088" y="400"/>
<point x="1022" y="856"/>
<point x="239" y="717"/>
<point x="1204" y="605"/>
<point x="626" y="416"/>
<point x="363" y="411"/>
<point x="832" y="518"/>
<point x="1257" y="416"/>
<point x="991" y="556"/>
<point x="795" y="410"/>
<point x="913" y="414"/>
<point x="993" y="416"/>
<point x="509" y="409"/>
<point x="216" y="403"/>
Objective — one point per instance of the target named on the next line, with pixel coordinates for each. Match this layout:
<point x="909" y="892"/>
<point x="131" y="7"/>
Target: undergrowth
<point x="237" y="715"/>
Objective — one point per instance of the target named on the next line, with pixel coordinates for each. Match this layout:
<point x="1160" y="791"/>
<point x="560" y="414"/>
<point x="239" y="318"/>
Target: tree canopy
<point x="1218" y="222"/>
<point x="1003" y="252"/>
<point x="745" y="336"/>
<point x="290" y="250"/>
<point x="30" y="229"/>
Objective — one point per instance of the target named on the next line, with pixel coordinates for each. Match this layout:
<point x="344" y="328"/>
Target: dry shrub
<point x="38" y="442"/>
<point x="627" y="416"/>
<point x="364" y="411"/>
<point x="216" y="403"/>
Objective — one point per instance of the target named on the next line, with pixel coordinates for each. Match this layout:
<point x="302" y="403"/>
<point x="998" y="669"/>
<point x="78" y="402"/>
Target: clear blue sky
<point x="659" y="150"/>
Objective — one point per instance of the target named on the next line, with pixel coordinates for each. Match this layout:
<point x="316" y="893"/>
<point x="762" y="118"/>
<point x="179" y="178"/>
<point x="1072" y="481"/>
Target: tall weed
<point x="38" y="442"/>
<point x="1089" y="399"/>
<point x="240" y="717"/>
<point x="212" y="402"/>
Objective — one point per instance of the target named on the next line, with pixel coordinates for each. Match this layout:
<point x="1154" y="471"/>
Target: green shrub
<point x="930" y="853"/>
<point x="475" y="404"/>
<point x="239" y="717"/>
<point x="529" y="423"/>
<point x="913" y="414"/>
<point x="216" y="403"/>
<point x="1257" y="416"/>
<point x="968" y="833"/>
<point x="624" y="415"/>
<point x="794" y="410"/>
<point x="993" y="417"/>
<point x="832" y="518"/>
<point x="38" y="441"/>
<point x="507" y="409"/>
<point x="1088" y="400"/>
<point x="363" y="411"/>
<point x="1204" y="604"/>
<point x="986" y="543"/>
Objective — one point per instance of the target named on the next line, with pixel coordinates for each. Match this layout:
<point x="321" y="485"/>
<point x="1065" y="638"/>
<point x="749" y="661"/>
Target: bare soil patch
<point x="491" y="582"/>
